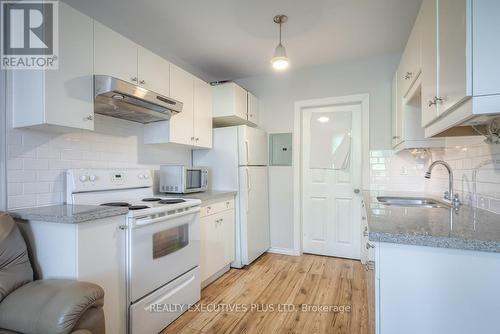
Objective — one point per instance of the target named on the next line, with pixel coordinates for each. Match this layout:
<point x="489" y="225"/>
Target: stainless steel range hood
<point x="117" y="98"/>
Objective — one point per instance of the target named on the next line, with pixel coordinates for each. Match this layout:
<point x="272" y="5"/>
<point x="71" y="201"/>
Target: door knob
<point x="356" y="191"/>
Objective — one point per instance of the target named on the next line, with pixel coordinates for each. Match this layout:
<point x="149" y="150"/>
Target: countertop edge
<point x="75" y="218"/>
<point x="438" y="242"/>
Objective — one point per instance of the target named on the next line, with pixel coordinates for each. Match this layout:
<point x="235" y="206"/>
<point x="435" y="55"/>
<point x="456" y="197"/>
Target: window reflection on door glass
<point x="330" y="140"/>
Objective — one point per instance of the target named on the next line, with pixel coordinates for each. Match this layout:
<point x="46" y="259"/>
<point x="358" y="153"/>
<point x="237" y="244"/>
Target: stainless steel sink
<point x="412" y="202"/>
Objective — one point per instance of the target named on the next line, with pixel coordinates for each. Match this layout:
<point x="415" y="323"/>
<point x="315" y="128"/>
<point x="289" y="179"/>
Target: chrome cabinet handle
<point x="356" y="191"/>
<point x="142" y="82"/>
<point x="396" y="137"/>
<point x="435" y="101"/>
<point x="122" y="227"/>
<point x="369" y="245"/>
<point x="197" y="138"/>
<point x="192" y="138"/>
<point x="89" y="118"/>
<point x="134" y="79"/>
<point x="408" y="75"/>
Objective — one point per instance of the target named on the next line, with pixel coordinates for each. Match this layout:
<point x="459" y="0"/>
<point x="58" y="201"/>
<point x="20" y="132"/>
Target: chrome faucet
<point x="448" y="195"/>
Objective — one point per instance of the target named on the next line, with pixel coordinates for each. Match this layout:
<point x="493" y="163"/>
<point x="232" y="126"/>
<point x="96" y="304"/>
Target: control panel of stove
<point x="79" y="180"/>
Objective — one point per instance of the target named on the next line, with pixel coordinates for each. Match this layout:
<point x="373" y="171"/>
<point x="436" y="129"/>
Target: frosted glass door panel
<point x="330" y="143"/>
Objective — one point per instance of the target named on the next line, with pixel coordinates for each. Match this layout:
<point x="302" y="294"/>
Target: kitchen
<point x="247" y="187"/>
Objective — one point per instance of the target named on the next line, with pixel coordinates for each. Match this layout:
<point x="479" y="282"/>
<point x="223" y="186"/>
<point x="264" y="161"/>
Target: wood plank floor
<point x="275" y="280"/>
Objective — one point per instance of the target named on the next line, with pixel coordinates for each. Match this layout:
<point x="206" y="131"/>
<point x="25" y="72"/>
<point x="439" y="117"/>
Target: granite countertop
<point x="68" y="214"/>
<point x="468" y="228"/>
<point x="209" y="196"/>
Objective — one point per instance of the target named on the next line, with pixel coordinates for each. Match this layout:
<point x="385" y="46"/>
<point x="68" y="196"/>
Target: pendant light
<point x="280" y="60"/>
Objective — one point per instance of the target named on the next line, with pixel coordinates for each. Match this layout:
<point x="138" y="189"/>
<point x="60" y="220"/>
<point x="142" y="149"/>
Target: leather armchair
<point x="52" y="306"/>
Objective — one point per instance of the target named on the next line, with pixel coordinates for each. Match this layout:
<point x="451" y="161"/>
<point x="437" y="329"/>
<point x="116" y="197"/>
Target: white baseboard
<point x="284" y="251"/>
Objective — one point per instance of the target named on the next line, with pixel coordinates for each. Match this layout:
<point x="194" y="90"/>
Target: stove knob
<point x="92" y="178"/>
<point x="83" y="178"/>
<point x="141" y="176"/>
<point x="146" y="176"/>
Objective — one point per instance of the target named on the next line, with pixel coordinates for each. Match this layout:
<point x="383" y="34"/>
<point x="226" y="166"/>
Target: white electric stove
<point x="163" y="242"/>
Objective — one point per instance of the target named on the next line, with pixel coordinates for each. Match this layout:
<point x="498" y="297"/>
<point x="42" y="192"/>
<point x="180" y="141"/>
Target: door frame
<point x="363" y="100"/>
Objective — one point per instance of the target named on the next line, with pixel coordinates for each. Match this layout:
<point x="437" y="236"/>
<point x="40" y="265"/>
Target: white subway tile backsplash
<point x="463" y="154"/>
<point x="37" y="160"/>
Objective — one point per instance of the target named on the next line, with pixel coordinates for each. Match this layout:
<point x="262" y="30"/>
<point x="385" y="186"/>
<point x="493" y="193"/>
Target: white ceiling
<point x="231" y="39"/>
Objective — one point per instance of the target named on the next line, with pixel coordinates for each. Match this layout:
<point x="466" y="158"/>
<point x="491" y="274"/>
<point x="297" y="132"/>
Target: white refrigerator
<point x="238" y="161"/>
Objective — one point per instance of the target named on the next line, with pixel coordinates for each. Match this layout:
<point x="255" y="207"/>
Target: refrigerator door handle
<point x="248" y="188"/>
<point x="247" y="148"/>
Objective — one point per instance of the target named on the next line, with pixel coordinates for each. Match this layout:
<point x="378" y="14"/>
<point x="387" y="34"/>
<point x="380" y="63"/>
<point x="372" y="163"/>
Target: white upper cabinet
<point x="452" y="53"/>
<point x="428" y="13"/>
<point x="253" y="108"/>
<point x="411" y="61"/>
<point x="193" y="125"/>
<point x="464" y="65"/>
<point x="233" y="105"/>
<point x="153" y="72"/>
<point x="62" y="97"/>
<point x="202" y="114"/>
<point x="114" y="55"/>
<point x="182" y="89"/>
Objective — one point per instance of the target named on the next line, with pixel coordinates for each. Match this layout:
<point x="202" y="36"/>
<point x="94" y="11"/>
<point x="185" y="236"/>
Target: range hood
<point x="117" y="98"/>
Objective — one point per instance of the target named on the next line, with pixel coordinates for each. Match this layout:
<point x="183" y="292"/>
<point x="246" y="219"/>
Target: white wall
<point x="277" y="94"/>
<point x="37" y="159"/>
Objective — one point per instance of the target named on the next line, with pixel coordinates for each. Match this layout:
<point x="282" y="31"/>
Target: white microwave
<point x="179" y="179"/>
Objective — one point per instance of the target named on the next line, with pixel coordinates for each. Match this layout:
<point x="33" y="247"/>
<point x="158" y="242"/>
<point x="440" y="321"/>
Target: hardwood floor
<point x="275" y="280"/>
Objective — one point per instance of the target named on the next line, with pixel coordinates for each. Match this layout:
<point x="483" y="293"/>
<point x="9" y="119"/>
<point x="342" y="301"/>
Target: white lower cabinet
<point x="217" y="239"/>
<point x="92" y="251"/>
<point x="436" y="290"/>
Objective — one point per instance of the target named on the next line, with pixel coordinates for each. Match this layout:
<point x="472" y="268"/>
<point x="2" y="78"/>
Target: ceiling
<point x="232" y="39"/>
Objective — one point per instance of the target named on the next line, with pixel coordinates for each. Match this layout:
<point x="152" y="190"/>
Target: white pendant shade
<point x="280" y="60"/>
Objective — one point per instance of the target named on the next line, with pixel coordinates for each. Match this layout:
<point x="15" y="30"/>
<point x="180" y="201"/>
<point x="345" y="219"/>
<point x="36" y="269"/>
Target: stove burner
<point x="171" y="201"/>
<point x="138" y="207"/>
<point x="151" y="199"/>
<point x="116" y="204"/>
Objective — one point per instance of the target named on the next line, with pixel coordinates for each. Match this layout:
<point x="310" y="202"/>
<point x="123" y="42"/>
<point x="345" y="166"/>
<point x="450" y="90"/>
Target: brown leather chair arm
<point x="49" y="306"/>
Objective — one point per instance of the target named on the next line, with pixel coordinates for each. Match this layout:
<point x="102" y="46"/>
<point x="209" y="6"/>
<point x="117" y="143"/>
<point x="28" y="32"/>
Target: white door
<point x="252" y="144"/>
<point x="202" y="114"/>
<point x="153" y="72"/>
<point x="254" y="213"/>
<point x="331" y="215"/>
<point x="182" y="89"/>
<point x="114" y="54"/>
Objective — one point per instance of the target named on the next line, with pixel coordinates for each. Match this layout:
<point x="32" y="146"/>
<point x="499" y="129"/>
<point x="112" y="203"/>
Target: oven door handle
<point x="142" y="222"/>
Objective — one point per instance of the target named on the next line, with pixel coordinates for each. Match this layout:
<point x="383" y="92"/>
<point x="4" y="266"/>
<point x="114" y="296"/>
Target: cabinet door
<point x="114" y="54"/>
<point x="396" y="112"/>
<point x="429" y="61"/>
<point x="153" y="72"/>
<point x="253" y="109"/>
<point x="182" y="89"/>
<point x="240" y="102"/>
<point x="212" y="247"/>
<point x="202" y="114"/>
<point x="410" y="62"/>
<point x="69" y="91"/>
<point x="452" y="27"/>
<point x="227" y="224"/>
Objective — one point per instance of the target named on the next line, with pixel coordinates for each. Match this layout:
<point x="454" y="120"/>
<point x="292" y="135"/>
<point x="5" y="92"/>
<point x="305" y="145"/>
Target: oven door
<point x="162" y="247"/>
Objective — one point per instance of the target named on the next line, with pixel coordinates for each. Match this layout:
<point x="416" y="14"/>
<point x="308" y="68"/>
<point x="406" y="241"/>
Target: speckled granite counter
<point x="68" y="214"/>
<point x="468" y="228"/>
<point x="206" y="196"/>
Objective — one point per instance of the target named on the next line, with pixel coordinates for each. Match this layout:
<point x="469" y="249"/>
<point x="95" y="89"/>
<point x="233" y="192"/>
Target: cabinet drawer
<point x="216" y="207"/>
